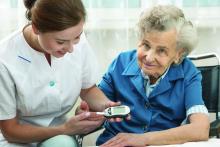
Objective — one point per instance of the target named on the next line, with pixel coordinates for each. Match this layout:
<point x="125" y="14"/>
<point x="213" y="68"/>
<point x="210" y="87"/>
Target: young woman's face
<point x="60" y="42"/>
<point x="156" y="52"/>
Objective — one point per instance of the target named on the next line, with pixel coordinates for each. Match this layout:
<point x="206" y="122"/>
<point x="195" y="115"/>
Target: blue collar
<point x="173" y="73"/>
<point x="134" y="72"/>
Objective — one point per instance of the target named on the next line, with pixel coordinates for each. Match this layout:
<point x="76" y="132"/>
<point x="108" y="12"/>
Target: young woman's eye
<point x="76" y="40"/>
<point x="60" y="42"/>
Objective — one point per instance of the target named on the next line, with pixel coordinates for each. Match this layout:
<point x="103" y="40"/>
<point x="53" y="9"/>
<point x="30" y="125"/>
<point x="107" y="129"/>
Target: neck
<point x="32" y="39"/>
<point x="153" y="80"/>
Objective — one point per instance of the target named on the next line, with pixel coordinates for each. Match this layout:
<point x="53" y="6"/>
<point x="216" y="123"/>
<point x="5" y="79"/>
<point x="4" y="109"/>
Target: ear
<point x="35" y="30"/>
<point x="179" y="55"/>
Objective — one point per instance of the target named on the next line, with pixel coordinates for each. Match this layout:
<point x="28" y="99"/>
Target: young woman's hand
<point x="82" y="123"/>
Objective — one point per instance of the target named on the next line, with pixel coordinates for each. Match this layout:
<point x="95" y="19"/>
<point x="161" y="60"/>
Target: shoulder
<point x="122" y="60"/>
<point x="188" y="67"/>
<point x="186" y="70"/>
<point x="125" y="57"/>
<point x="11" y="43"/>
<point x="11" y="48"/>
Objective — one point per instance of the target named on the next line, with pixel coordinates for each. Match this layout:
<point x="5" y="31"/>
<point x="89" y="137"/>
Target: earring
<point x="176" y="61"/>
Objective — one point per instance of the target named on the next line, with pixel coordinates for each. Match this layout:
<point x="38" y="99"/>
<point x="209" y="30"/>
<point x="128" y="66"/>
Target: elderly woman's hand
<point x="126" y="139"/>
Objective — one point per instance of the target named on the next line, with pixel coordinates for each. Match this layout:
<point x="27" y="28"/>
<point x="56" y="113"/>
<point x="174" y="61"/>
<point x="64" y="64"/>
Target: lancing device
<point x="121" y="111"/>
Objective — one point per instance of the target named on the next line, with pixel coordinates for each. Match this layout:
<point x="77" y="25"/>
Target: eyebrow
<point x="164" y="47"/>
<point x="145" y="41"/>
<point x="67" y="40"/>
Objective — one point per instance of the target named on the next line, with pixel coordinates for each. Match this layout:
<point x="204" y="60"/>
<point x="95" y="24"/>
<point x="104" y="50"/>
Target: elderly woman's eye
<point x="162" y="51"/>
<point x="146" y="46"/>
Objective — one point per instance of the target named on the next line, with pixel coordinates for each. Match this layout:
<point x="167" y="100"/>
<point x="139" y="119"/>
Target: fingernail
<point x="87" y="113"/>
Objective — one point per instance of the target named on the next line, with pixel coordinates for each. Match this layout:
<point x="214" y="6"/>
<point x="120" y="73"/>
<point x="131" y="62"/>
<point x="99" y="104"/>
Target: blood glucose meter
<point x="121" y="111"/>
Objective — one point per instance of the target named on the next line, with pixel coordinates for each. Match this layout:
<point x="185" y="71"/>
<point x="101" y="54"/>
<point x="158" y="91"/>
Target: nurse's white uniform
<point x="41" y="94"/>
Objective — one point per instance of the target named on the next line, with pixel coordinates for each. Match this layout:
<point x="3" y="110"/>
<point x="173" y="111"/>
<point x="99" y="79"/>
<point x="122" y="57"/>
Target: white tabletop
<point x="213" y="142"/>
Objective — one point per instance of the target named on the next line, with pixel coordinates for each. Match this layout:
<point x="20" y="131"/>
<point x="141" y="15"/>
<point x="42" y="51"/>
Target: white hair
<point x="165" y="17"/>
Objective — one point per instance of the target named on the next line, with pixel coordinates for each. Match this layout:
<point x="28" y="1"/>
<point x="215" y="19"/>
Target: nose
<point x="150" y="55"/>
<point x="69" y="48"/>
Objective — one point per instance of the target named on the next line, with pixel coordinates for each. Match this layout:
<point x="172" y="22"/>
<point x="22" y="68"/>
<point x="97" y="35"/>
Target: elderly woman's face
<point x="156" y="52"/>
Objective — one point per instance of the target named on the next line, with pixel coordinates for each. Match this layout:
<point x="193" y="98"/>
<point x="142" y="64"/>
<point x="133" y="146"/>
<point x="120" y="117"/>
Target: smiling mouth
<point x="60" y="52"/>
<point x="148" y="66"/>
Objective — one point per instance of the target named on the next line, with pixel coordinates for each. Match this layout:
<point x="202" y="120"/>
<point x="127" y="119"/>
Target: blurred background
<point x="110" y="26"/>
<point x="110" y="23"/>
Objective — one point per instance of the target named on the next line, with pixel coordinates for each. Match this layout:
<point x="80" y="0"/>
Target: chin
<point x="146" y="71"/>
<point x="150" y="74"/>
<point x="59" y="56"/>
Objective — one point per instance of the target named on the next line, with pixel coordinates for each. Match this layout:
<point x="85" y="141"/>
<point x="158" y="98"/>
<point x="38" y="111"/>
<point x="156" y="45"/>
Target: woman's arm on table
<point x="196" y="130"/>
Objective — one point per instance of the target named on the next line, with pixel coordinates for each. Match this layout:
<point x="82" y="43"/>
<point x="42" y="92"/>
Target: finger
<point x="128" y="117"/>
<point x="82" y="116"/>
<point x="94" y="116"/>
<point x="78" y="110"/>
<point x="118" y="119"/>
<point x="111" y="120"/>
<point x="111" y="104"/>
<point x="112" y="142"/>
<point x="115" y="103"/>
<point x="115" y="119"/>
<point x="84" y="106"/>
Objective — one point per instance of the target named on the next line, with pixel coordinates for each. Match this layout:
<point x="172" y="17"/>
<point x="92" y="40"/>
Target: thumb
<point x="112" y="104"/>
<point x="82" y="116"/>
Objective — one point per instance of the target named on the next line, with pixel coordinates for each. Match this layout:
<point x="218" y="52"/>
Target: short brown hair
<point x="54" y="15"/>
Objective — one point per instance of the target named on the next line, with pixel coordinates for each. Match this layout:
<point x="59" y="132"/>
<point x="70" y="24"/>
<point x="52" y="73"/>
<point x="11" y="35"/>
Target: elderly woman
<point x="159" y="83"/>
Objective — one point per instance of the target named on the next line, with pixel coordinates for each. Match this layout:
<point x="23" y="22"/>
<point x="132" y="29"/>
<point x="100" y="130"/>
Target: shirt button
<point x="147" y="104"/>
<point x="52" y="83"/>
<point x="145" y="128"/>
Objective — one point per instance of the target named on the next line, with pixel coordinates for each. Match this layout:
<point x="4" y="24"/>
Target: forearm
<point x="95" y="98"/>
<point x="190" y="132"/>
<point x="22" y="133"/>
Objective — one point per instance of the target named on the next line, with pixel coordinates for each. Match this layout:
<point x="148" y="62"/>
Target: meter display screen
<point x="116" y="111"/>
<point x="119" y="110"/>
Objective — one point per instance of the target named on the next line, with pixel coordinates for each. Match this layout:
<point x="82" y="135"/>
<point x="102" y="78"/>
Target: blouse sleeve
<point x="193" y="89"/>
<point x="7" y="94"/>
<point x="90" y="65"/>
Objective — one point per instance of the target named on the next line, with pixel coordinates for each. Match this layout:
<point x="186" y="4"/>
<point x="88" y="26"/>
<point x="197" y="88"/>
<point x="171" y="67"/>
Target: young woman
<point x="44" y="68"/>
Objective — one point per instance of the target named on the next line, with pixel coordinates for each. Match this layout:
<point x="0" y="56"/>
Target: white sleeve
<point x="195" y="109"/>
<point x="90" y="65"/>
<point x="7" y="94"/>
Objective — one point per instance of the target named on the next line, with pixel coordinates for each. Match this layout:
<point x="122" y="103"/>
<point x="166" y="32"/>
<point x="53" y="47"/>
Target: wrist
<point x="62" y="129"/>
